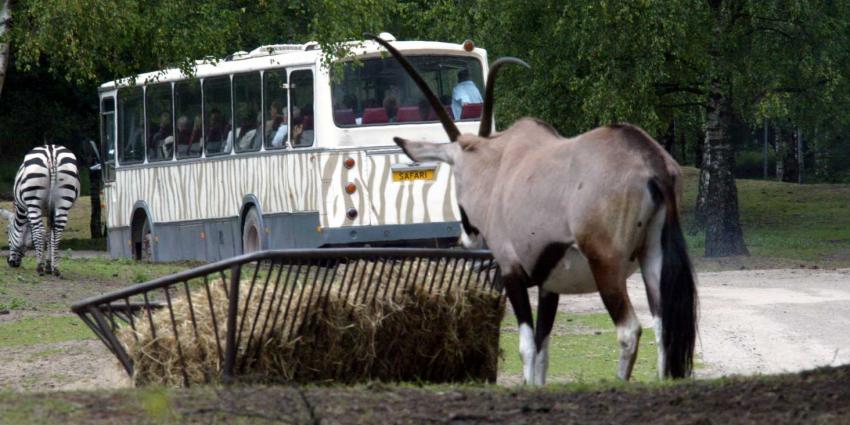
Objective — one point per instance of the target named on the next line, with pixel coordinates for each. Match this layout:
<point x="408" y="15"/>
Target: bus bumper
<point x="390" y="234"/>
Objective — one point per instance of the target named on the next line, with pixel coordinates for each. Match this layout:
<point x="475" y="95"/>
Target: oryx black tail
<point x="679" y="304"/>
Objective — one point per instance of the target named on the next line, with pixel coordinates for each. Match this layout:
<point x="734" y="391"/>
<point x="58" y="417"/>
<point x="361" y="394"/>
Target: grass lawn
<point x="784" y="224"/>
<point x="583" y="348"/>
<point x="77" y="235"/>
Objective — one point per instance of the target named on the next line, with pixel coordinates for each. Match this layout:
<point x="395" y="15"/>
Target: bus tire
<point x="251" y="232"/>
<point x="143" y="242"/>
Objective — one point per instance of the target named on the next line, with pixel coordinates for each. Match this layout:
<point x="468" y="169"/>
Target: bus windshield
<point x="379" y="91"/>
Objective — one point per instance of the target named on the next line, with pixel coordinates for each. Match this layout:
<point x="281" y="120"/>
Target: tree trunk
<point x="800" y="158"/>
<point x="702" y="192"/>
<point x="786" y="156"/>
<point x="723" y="235"/>
<point x="5" y="17"/>
<point x="780" y="153"/>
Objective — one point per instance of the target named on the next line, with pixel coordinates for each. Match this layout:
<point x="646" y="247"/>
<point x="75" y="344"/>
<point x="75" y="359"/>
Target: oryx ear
<point x="428" y="151"/>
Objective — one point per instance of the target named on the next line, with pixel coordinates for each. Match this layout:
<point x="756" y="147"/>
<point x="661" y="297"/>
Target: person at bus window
<point x="298" y="139"/>
<point x="217" y="126"/>
<point x="464" y="92"/>
<point x="249" y="136"/>
<point x="424" y="109"/>
<point x="391" y="106"/>
<point x="159" y="146"/>
<point x="184" y="135"/>
<point x="276" y="116"/>
<point x="281" y="131"/>
<point x="195" y="140"/>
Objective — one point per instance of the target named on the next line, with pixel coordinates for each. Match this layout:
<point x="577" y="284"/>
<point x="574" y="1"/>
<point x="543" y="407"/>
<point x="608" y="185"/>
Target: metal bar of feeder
<point x="232" y="310"/>
<point x="114" y="345"/>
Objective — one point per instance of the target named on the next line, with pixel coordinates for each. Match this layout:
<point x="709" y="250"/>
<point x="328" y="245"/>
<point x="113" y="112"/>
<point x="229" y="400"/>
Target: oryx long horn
<point x="448" y="124"/>
<point x="487" y="112"/>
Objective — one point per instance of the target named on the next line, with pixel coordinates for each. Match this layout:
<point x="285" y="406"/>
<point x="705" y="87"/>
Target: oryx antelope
<point x="46" y="186"/>
<point x="572" y="215"/>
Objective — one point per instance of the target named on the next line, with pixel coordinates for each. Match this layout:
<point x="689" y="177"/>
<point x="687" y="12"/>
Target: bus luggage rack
<point x="279" y="279"/>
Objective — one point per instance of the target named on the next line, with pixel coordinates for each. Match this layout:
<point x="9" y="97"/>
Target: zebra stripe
<point x="46" y="186"/>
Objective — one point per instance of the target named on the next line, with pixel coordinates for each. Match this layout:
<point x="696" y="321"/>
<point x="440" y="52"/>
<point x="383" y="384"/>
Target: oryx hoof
<point x="40" y="269"/>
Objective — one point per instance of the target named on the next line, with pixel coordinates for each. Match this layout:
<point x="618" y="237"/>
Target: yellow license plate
<point x="404" y="176"/>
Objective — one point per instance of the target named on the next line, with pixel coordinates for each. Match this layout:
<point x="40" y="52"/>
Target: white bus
<point x="271" y="149"/>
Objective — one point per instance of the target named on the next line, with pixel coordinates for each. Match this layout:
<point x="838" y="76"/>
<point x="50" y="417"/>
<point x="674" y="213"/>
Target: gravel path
<point x="759" y="321"/>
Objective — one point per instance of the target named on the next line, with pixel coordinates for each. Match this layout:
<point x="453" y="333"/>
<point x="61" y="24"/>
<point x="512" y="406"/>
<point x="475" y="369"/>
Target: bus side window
<point x="301" y="107"/>
<point x="107" y="138"/>
<point x="160" y="145"/>
<point x="218" y="122"/>
<point x="131" y="126"/>
<point x="187" y="109"/>
<point x="275" y="107"/>
<point x="246" y="108"/>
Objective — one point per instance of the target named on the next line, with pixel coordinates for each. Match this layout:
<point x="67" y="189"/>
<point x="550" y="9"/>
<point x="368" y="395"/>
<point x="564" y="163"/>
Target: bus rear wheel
<point x="251" y="232"/>
<point x="143" y="245"/>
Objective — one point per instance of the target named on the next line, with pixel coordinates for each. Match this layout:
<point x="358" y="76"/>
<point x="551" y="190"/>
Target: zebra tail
<point x="51" y="190"/>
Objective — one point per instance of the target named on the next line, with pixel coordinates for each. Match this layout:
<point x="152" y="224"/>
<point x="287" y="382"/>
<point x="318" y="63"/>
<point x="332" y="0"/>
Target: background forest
<point x="721" y="84"/>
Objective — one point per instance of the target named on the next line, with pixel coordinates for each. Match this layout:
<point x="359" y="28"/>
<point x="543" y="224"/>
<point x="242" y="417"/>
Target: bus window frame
<point x="119" y="162"/>
<point x="233" y="111"/>
<point x="289" y="71"/>
<point x="170" y="85"/>
<point x="229" y="79"/>
<point x="285" y="145"/>
<point x="107" y="165"/>
<point x="187" y="81"/>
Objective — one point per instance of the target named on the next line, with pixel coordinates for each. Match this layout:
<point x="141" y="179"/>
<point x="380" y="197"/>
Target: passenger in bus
<point x="424" y="109"/>
<point x="249" y="137"/>
<point x="276" y="116"/>
<point x="195" y="141"/>
<point x="184" y="135"/>
<point x="217" y="129"/>
<point x="391" y="106"/>
<point x="464" y="92"/>
<point x="278" y="129"/>
<point x="298" y="139"/>
<point x="160" y="146"/>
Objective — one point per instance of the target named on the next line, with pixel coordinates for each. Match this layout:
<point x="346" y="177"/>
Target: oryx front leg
<point x="547" y="307"/>
<point x="518" y="296"/>
<point x="612" y="287"/>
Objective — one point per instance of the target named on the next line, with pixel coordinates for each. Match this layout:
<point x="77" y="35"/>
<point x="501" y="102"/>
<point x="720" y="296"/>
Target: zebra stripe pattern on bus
<point x="46" y="186"/>
<point x="283" y="182"/>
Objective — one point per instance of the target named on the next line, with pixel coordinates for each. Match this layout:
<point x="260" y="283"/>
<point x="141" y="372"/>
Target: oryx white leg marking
<point x="527" y="351"/>
<point x="662" y="360"/>
<point x="541" y="363"/>
<point x="650" y="267"/>
<point x="628" y="335"/>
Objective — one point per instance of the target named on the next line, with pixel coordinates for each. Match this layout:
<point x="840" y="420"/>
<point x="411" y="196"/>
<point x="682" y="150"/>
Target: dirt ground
<point x="816" y="397"/>
<point x="752" y="322"/>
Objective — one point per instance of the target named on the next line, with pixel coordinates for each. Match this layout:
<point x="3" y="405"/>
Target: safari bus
<point x="272" y="149"/>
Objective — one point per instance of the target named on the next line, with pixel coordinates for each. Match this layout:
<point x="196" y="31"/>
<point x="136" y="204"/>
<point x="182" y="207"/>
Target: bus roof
<point x="279" y="55"/>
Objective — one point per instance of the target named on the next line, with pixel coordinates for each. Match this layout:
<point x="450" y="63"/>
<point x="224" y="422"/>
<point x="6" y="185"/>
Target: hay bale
<point x="350" y="332"/>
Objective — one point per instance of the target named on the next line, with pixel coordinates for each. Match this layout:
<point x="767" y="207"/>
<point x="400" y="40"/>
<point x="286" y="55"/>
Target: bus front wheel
<point x="251" y="232"/>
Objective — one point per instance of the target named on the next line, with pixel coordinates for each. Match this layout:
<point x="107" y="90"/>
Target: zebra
<point x="46" y="185"/>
